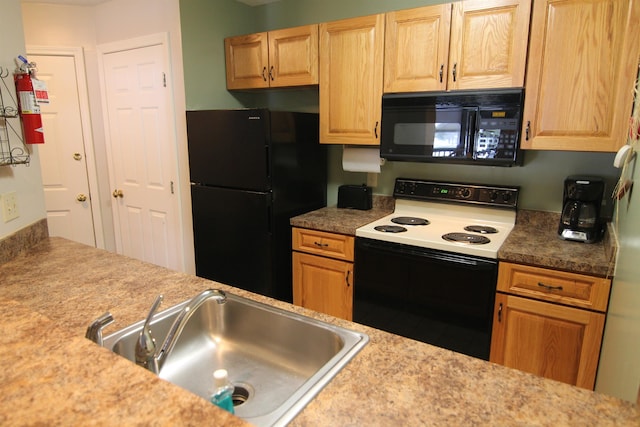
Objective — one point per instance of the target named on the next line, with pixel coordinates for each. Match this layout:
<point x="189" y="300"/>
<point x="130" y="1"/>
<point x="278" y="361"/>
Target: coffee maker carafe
<point x="580" y="220"/>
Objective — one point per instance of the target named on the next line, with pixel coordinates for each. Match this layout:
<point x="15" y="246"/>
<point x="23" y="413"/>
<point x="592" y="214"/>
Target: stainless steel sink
<point x="277" y="360"/>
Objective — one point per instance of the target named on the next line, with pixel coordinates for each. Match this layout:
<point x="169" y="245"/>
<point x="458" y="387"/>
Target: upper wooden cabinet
<point x="287" y="57"/>
<point x="582" y="65"/>
<point x="351" y="68"/>
<point x="471" y="44"/>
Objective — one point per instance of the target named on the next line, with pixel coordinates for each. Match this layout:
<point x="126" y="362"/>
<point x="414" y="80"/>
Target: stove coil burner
<point x="473" y="239"/>
<point x="390" y="228"/>
<point x="409" y="220"/>
<point x="482" y="229"/>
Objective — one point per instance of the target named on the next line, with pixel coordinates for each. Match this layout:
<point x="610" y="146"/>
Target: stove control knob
<point x="465" y="193"/>
<point x="506" y="196"/>
<point x="493" y="196"/>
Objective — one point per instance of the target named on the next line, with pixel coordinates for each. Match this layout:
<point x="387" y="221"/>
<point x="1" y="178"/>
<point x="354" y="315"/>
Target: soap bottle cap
<point x="221" y="377"/>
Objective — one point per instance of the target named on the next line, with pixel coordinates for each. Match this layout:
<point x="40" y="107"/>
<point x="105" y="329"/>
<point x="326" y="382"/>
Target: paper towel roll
<point x="361" y="159"/>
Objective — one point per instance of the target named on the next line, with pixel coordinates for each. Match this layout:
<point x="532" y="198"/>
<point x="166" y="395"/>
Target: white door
<point x="69" y="198"/>
<point x="141" y="146"/>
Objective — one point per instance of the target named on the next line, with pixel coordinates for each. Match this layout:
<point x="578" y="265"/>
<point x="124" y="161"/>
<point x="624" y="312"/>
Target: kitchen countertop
<point x="52" y="375"/>
<point x="533" y="240"/>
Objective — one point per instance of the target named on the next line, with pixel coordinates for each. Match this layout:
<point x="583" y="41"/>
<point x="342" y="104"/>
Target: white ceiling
<point x="96" y="2"/>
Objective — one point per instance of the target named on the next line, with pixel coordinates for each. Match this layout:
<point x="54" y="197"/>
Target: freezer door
<point x="233" y="242"/>
<point x="229" y="148"/>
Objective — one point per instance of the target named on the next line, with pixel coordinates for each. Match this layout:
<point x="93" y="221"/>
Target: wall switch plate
<point x="9" y="206"/>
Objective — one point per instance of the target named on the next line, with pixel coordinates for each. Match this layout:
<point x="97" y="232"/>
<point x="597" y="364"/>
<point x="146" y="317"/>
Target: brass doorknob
<point x="77" y="156"/>
<point x="81" y="197"/>
<point x="117" y="193"/>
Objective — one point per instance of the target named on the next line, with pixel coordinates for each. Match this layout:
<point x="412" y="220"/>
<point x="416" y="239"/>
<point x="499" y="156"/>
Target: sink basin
<point x="277" y="360"/>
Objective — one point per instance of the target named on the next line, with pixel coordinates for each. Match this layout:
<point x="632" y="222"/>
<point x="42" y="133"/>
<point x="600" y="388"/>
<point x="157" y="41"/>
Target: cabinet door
<point x="247" y="61"/>
<point x="417" y="49"/>
<point x="550" y="340"/>
<point x="351" y="65"/>
<point x="488" y="43"/>
<point x="323" y="284"/>
<point x="293" y="56"/>
<point x="581" y="70"/>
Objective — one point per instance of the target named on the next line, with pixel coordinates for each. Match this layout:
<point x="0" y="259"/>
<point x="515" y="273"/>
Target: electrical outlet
<point x="9" y="206"/>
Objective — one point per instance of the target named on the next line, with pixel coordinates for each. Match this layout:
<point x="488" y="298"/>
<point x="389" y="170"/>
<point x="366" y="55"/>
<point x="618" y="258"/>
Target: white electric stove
<point x="467" y="219"/>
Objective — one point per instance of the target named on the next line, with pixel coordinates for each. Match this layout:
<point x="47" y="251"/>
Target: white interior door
<point x="141" y="146"/>
<point x="63" y="157"/>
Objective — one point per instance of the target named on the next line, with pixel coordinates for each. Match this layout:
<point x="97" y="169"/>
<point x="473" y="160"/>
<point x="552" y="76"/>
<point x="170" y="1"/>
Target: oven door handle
<point x="431" y="254"/>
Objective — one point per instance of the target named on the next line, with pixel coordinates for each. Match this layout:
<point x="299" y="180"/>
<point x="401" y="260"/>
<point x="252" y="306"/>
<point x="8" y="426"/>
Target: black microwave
<point x="472" y="127"/>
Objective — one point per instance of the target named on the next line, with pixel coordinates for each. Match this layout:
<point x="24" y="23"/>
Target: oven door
<point x="441" y="298"/>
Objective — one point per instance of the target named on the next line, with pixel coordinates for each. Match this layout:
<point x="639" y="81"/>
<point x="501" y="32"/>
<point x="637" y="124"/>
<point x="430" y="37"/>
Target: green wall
<point x="205" y="23"/>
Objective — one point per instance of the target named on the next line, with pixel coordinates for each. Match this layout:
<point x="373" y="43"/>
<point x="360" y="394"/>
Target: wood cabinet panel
<point x="293" y="56"/>
<point x="545" y="339"/>
<point x="351" y="70"/>
<point x="471" y="44"/>
<point x="323" y="284"/>
<point x="287" y="57"/>
<point x="573" y="289"/>
<point x="323" y="243"/>
<point x="581" y="70"/>
<point x="246" y="60"/>
<point x="417" y="49"/>
<point x="488" y="43"/>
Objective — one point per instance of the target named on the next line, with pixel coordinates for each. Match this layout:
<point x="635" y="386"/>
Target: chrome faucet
<point x="94" y="331"/>
<point x="146" y="354"/>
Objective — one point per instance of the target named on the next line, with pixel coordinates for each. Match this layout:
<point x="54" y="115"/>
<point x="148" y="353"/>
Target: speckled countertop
<point x="534" y="239"/>
<point x="344" y="221"/>
<point x="53" y="376"/>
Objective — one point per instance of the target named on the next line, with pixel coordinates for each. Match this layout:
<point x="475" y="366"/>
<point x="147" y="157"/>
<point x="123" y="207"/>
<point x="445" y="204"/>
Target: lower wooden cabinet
<point x="323" y="272"/>
<point x="550" y="339"/>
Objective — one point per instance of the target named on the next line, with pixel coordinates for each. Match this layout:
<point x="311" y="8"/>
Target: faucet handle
<point x="146" y="344"/>
<point x="94" y="331"/>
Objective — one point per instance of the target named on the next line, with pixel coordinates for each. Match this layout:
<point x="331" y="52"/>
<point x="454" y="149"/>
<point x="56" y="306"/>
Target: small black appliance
<point x="580" y="220"/>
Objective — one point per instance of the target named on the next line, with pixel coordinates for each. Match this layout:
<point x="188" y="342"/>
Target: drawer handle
<point x="322" y="245"/>
<point x="347" y="278"/>
<point x="500" y="313"/>
<point x="550" y="288"/>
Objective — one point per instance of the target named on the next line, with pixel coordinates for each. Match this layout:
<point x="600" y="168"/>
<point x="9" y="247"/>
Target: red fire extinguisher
<point x="28" y="105"/>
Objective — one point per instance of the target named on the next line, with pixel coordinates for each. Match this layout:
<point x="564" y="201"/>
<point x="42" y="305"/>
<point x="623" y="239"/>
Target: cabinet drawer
<point x="333" y="245"/>
<point x="573" y="289"/>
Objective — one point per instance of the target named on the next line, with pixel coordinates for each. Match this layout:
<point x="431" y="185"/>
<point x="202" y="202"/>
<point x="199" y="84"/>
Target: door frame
<point x="77" y="52"/>
<point x="163" y="40"/>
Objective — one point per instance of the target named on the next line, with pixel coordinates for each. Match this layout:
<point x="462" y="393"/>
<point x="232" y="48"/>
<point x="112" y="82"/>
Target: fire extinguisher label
<point x="40" y="89"/>
<point x="28" y="104"/>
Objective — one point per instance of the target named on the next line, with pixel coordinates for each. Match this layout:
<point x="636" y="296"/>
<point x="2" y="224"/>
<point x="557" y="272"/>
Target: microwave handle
<point x="470" y="133"/>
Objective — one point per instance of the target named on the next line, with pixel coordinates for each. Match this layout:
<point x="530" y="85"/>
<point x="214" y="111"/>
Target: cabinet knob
<point x="455" y="71"/>
<point x="271" y="73"/>
<point x="264" y="73"/>
<point x="441" y="72"/>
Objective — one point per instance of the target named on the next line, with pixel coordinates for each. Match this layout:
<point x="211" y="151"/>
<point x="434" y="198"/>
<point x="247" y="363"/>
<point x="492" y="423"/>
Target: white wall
<point x="116" y="20"/>
<point x="26" y="181"/>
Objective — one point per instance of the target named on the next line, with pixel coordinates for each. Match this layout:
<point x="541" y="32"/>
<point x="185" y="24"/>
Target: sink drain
<point x="240" y="394"/>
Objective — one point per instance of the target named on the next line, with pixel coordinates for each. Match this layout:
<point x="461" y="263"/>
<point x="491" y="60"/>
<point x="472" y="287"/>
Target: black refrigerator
<point x="251" y="171"/>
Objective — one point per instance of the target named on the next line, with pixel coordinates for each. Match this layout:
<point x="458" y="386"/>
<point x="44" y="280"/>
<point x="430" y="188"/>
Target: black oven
<point x="441" y="298"/>
<point x="475" y="127"/>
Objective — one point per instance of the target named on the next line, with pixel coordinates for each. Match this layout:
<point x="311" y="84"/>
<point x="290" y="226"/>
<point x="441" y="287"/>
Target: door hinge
<point x="164" y="83"/>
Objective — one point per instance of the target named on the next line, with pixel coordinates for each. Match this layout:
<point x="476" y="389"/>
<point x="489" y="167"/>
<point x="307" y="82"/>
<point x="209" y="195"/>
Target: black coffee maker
<point x="580" y="220"/>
